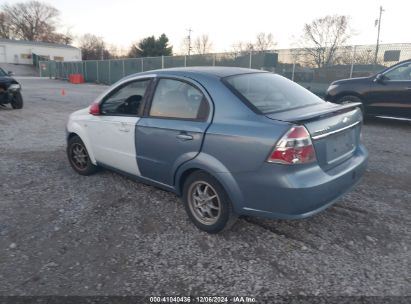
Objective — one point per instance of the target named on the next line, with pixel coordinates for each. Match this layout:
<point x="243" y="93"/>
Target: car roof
<point x="194" y="72"/>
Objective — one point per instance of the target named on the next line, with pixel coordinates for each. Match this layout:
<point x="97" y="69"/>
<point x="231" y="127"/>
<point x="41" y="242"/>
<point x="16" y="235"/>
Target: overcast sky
<point x="122" y="22"/>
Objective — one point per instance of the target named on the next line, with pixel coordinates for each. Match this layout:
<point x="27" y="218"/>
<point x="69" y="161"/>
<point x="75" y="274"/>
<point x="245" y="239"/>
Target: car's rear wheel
<point x="207" y="203"/>
<point x="17" y="101"/>
<point x="79" y="158"/>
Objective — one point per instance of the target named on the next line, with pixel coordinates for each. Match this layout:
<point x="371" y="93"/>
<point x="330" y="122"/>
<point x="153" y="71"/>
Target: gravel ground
<point x="65" y="234"/>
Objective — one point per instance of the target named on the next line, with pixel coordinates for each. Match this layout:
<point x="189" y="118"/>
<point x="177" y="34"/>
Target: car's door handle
<point x="409" y="88"/>
<point x="184" y="136"/>
<point x="124" y="127"/>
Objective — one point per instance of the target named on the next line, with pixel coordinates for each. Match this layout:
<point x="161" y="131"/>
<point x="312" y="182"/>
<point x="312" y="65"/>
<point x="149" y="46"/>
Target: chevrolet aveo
<point x="229" y="141"/>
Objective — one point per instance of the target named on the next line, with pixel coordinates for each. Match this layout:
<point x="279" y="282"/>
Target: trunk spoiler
<point x="314" y="112"/>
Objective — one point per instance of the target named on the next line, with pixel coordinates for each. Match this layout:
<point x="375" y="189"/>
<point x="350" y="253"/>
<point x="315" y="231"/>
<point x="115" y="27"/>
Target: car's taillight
<point x="295" y="147"/>
<point x="94" y="109"/>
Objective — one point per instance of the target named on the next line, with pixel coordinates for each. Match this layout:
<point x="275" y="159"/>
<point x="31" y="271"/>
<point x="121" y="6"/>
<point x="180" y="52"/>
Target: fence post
<point x="109" y="71"/>
<point x="85" y="70"/>
<point x="142" y="64"/>
<point x="249" y="64"/>
<point x="97" y="76"/>
<point x="162" y="61"/>
<point x="124" y="69"/>
<point x="185" y="60"/>
<point x="293" y="72"/>
<point x="214" y="55"/>
<point x="352" y="61"/>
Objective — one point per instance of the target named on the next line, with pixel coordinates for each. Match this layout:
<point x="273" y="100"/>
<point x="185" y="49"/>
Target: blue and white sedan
<point x="229" y="141"/>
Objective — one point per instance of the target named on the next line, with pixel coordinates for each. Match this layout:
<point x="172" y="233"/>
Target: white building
<point x="21" y="51"/>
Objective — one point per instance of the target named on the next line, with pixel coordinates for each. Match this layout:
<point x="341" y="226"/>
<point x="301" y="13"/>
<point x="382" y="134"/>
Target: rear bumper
<point x="284" y="192"/>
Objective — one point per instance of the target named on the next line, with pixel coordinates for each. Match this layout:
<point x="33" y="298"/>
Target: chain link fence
<point x="314" y="69"/>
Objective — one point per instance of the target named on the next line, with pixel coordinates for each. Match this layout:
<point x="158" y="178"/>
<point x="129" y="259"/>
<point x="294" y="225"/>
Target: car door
<point x="172" y="129"/>
<point x="112" y="133"/>
<point x="391" y="94"/>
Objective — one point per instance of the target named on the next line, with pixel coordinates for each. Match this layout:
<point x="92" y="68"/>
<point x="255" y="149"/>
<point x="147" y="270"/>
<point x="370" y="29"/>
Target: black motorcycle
<point x="10" y="90"/>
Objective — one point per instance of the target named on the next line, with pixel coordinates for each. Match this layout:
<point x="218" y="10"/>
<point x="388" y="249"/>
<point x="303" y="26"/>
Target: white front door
<point x="112" y="133"/>
<point x="113" y="142"/>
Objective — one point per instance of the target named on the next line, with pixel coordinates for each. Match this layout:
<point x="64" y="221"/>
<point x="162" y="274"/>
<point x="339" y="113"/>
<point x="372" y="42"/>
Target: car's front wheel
<point x="17" y="101"/>
<point x="207" y="203"/>
<point x="349" y="99"/>
<point x="79" y="158"/>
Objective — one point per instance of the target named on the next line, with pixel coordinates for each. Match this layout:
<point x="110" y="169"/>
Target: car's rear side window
<point x="269" y="93"/>
<point x="179" y="100"/>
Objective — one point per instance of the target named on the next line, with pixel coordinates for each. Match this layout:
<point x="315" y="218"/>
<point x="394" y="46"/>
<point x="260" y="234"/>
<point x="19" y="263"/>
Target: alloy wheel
<point x="204" y="202"/>
<point x="79" y="156"/>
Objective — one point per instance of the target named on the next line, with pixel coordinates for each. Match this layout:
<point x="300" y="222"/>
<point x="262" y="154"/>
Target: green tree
<point x="150" y="46"/>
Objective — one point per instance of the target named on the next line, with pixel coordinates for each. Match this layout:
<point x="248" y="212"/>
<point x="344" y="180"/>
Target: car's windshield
<point x="271" y="93"/>
<point x="2" y="72"/>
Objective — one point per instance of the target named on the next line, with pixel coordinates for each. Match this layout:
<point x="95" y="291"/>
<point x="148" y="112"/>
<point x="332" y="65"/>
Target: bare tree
<point x="5" y="27"/>
<point x="55" y="37"/>
<point x="264" y="42"/>
<point x="203" y="44"/>
<point x="242" y="47"/>
<point x="184" y="46"/>
<point x="31" y="20"/>
<point x="93" y="47"/>
<point x="322" y="37"/>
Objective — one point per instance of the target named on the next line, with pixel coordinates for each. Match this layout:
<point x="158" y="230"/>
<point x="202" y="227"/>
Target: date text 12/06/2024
<point x="175" y="299"/>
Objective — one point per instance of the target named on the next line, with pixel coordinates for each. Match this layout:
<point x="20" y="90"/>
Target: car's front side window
<point x="2" y="72"/>
<point x="178" y="99"/>
<point x="402" y="72"/>
<point x="125" y="100"/>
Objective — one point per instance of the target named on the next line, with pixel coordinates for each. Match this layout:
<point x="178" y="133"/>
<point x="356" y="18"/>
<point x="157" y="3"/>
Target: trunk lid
<point x="334" y="129"/>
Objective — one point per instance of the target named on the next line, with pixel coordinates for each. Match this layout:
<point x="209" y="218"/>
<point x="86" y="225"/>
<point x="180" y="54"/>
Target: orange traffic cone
<point x="63" y="92"/>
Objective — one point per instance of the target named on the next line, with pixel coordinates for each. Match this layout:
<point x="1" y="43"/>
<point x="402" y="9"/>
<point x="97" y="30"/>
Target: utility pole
<point x="378" y="21"/>
<point x="189" y="40"/>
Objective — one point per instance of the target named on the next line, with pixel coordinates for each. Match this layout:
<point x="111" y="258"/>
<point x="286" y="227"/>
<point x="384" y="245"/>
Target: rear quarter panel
<point x="238" y="140"/>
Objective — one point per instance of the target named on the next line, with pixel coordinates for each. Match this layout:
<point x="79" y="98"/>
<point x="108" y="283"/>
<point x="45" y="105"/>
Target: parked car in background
<point x="10" y="90"/>
<point x="386" y="94"/>
<point x="230" y="141"/>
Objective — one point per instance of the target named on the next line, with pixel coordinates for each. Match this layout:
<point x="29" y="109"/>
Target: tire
<point x="213" y="215"/>
<point x="349" y="99"/>
<point x="79" y="158"/>
<point x="17" y="102"/>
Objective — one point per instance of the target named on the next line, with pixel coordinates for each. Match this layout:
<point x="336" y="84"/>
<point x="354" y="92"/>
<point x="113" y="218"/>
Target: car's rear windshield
<point x="270" y="93"/>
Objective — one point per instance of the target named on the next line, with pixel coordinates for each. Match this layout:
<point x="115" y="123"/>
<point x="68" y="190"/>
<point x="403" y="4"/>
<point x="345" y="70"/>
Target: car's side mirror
<point x="379" y="78"/>
<point x="94" y="109"/>
<point x="10" y="73"/>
